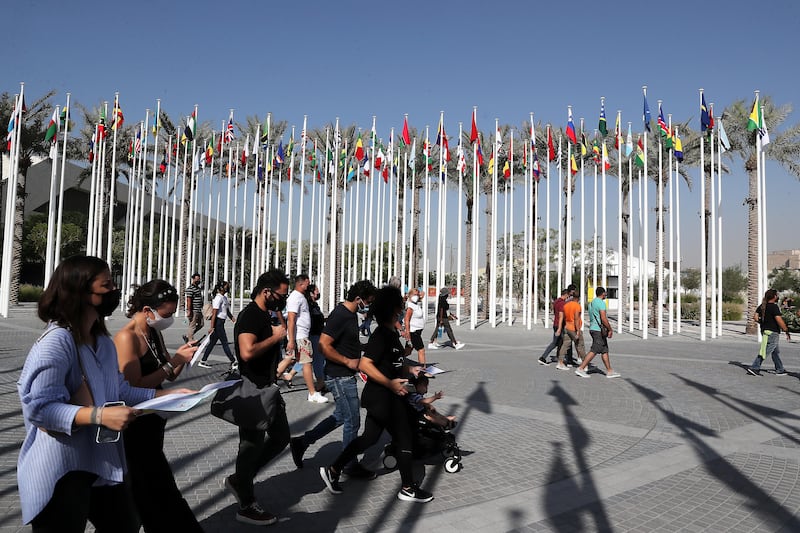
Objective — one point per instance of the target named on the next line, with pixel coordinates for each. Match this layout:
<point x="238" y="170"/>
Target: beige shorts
<point x="304" y="350"/>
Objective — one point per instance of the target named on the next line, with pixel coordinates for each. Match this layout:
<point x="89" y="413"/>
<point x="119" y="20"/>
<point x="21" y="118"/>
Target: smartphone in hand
<point x="104" y="434"/>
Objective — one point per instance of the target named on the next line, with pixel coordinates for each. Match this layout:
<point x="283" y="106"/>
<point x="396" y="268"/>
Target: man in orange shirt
<point x="572" y="332"/>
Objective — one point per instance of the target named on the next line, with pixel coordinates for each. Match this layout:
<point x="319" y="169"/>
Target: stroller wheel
<point x="452" y="465"/>
<point x="389" y="462"/>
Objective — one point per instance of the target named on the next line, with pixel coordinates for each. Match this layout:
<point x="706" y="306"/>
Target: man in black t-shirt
<point x="768" y="315"/>
<point x="341" y="347"/>
<point x="257" y="343"/>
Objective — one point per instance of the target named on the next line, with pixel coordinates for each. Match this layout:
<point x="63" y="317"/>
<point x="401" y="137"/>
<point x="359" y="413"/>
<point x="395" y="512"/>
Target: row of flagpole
<point x="386" y="215"/>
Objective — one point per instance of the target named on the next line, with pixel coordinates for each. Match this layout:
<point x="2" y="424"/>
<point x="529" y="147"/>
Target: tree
<point x="733" y="283"/>
<point x="690" y="279"/>
<point x="784" y="149"/>
<point x="784" y="279"/>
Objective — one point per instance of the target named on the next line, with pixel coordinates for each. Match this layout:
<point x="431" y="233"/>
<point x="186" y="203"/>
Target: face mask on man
<point x="277" y="303"/>
<point x="414" y="299"/>
<point x="109" y="302"/>
<point x="159" y="322"/>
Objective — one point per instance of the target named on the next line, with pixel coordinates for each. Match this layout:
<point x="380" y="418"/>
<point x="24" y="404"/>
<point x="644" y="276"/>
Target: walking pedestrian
<point x="600" y="331"/>
<point x="768" y="315"/>
<point x="342" y="350"/>
<point x="572" y="334"/>
<point x="194" y="307"/>
<point x="414" y="322"/>
<point x="558" y="324"/>
<point x="317" y="325"/>
<point x="383" y="400"/>
<point x="222" y="311"/>
<point x="443" y="317"/>
<point x="298" y="325"/>
<point x="257" y="343"/>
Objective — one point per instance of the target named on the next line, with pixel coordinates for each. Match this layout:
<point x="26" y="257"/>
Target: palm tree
<point x="784" y="149"/>
<point x="34" y="124"/>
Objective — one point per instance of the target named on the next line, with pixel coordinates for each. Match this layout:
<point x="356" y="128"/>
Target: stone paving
<point x="683" y="441"/>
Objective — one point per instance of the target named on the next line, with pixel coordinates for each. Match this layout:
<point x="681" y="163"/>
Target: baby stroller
<point x="429" y="440"/>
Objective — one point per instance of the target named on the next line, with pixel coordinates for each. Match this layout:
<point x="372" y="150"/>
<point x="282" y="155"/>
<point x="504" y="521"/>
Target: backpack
<point x="208" y="311"/>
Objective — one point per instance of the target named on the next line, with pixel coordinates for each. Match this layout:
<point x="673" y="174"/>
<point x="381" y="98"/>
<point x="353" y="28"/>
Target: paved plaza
<point x="683" y="441"/>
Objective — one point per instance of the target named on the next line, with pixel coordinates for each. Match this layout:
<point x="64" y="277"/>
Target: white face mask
<point x="414" y="299"/>
<point x="159" y="323"/>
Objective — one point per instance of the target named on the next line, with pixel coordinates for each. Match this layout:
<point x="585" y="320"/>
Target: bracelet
<point x="100" y="416"/>
<point x="93" y="416"/>
<point x="168" y="371"/>
<point x="170" y="366"/>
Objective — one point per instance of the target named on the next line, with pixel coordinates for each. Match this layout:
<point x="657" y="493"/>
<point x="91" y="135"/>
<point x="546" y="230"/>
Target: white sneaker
<point x="562" y="367"/>
<point x="317" y="398"/>
<point x="433" y="346"/>
<point x="203" y="364"/>
<point x="460" y="345"/>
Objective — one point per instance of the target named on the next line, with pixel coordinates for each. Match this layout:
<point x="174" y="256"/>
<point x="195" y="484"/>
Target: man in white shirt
<point x="298" y="324"/>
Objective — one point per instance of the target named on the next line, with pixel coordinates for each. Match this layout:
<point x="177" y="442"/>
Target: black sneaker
<point x="331" y="480"/>
<point x="543" y="361"/>
<point x="414" y="494"/>
<point x="780" y="372"/>
<point x="255" y="515"/>
<point x="753" y="371"/>
<point x="298" y="449"/>
<point x="230" y="484"/>
<point x="359" y="472"/>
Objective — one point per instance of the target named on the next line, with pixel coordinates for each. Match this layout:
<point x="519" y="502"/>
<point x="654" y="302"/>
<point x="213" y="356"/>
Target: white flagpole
<point x="278" y="203"/>
<point x="620" y="313"/>
<point x="439" y="193"/>
<point x="630" y="241"/>
<point x="140" y="228"/>
<point x="509" y="271"/>
<point x="151" y="228"/>
<point x="603" y="210"/>
<point x="702" y="235"/>
<point x="220" y="187"/>
<point x="460" y="222"/>
<point x="179" y="268"/>
<point x="243" y="225"/>
<point x="207" y="267"/>
<point x="91" y="222"/>
<point x="678" y="289"/>
<point x="332" y="289"/>
<point x="493" y="281"/>
<point x="547" y="236"/>
<point x="646" y="239"/>
<point x="473" y="313"/>
<point x="713" y="231"/>
<point x="370" y="265"/>
<point x="57" y="251"/>
<point x="255" y="226"/>
<point x="426" y="229"/>
<point x="113" y="194"/>
<point x="642" y="266"/>
<point x="661" y="233"/>
<point x="762" y="224"/>
<point x="51" y="207"/>
<point x="290" y="179"/>
<point x="352" y="230"/>
<point x="227" y="264"/>
<point x="533" y="243"/>
<point x="406" y="280"/>
<point x="312" y="222"/>
<point x="303" y="140"/>
<point x="559" y="225"/>
<point x="671" y="286"/>
<point x="11" y="204"/>
<point x="719" y="231"/>
<point x="568" y="267"/>
<point x="99" y="203"/>
<point x="526" y="222"/>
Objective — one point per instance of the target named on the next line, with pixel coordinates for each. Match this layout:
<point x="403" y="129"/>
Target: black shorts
<point x="416" y="340"/>
<point x="599" y="343"/>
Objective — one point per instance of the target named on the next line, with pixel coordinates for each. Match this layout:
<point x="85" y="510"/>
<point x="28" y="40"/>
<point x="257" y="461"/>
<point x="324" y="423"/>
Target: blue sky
<point x="354" y="60"/>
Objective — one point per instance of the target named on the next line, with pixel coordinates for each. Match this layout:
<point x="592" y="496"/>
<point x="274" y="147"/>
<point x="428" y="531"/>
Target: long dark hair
<point x="384" y="307"/>
<point x="768" y="295"/>
<point x="64" y="299"/>
<point x="152" y="294"/>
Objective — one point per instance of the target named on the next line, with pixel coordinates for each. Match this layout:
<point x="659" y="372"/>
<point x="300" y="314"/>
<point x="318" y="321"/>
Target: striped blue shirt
<point x="50" y="376"/>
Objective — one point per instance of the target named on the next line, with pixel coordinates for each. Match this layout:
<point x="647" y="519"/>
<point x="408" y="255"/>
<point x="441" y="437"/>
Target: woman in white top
<point x="222" y="311"/>
<point x="414" y="322"/>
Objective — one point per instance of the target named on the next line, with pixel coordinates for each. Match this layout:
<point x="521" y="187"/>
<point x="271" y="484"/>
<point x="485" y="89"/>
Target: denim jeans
<point x="769" y="346"/>
<point x="220" y="335"/>
<point x="554" y="343"/>
<point x="317" y="359"/>
<point x="347" y="412"/>
<point x="256" y="449"/>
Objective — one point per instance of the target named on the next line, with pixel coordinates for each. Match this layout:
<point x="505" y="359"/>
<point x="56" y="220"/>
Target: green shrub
<point x="689" y="298"/>
<point x="790" y="316"/>
<point x="30" y="293"/>
<point x="730" y="311"/>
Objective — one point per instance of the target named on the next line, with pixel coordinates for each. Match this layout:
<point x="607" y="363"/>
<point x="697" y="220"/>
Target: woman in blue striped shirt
<point x="72" y="463"/>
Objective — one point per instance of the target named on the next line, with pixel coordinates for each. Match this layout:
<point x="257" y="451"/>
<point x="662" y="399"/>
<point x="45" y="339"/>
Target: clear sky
<point x="354" y="60"/>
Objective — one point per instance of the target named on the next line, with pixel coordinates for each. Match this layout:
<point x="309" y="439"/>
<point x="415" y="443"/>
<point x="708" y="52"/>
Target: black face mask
<point x="109" y="303"/>
<point x="276" y="304"/>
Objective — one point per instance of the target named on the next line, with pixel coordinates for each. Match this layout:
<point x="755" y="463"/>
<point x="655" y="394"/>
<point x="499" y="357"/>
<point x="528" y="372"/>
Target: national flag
<point x="229" y="130"/>
<point x="265" y="131"/>
<point x="219" y="142"/>
<point x="678" y="148"/>
<point x="573" y="166"/>
<point x="351" y="173"/>
<point x="606" y="163"/>
<point x="191" y="127"/>
<point x="584" y="149"/>
<point x="725" y="144"/>
<point x="379" y="158"/>
<point x="156" y="125"/>
<point x="639" y="159"/>
<point x="629" y="142"/>
<point x="473" y="134"/>
<point x="441" y="141"/>
<point x="62" y="120"/>
<point x="91" y="146"/>
<point x="617" y="132"/>
<point x="498" y="142"/>
<point x="764" y="133"/>
<point x="551" y="150"/>
<point x="571" y="129"/>
<point x="596" y="150"/>
<point x="536" y="168"/>
<point x="118" y="118"/>
<point x="406" y="138"/>
<point x="359" y="148"/>
<point x="101" y="125"/>
<point x="412" y="157"/>
<point x="524" y="157"/>
<point x="646" y="114"/>
<point x="506" y="170"/>
<point x="162" y="167"/>
<point x="426" y="153"/>
<point x="244" y="155"/>
<point x="130" y="151"/>
<point x="279" y="155"/>
<point x="385" y="173"/>
<point x="490" y="168"/>
<point x="461" y="164"/>
<point x="52" y="127"/>
<point x="138" y="146"/>
<point x="705" y="117"/>
<point x="602" y="125"/>
<point x="479" y="155"/>
<point x="754" y="121"/>
<point x="662" y="125"/>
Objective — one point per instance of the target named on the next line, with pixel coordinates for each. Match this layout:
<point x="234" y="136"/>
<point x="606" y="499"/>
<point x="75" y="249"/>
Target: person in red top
<point x="558" y="322"/>
<point x="572" y="332"/>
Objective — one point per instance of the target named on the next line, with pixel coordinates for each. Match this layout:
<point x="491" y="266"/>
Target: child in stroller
<point x="432" y="429"/>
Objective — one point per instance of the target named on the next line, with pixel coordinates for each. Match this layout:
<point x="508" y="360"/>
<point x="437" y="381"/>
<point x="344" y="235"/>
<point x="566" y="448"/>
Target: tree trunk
<point x="488" y="274"/>
<point x="414" y="251"/>
<point x="622" y="283"/>
<point x="468" y="262"/>
<point x="16" y="246"/>
<point x="183" y="252"/>
<point x="753" y="227"/>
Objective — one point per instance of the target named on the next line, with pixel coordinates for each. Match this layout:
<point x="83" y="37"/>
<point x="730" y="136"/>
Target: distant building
<point x="783" y="259"/>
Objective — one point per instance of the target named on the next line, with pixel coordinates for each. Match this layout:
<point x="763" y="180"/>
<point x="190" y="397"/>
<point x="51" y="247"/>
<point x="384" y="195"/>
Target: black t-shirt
<point x="317" y="318"/>
<point x="342" y="325"/>
<point x="386" y="351"/>
<point x="768" y="321"/>
<point x="443" y="308"/>
<point x="260" y="370"/>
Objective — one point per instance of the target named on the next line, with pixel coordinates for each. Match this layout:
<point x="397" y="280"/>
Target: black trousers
<point x="256" y="449"/>
<point x="161" y="506"/>
<point x="109" y="508"/>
